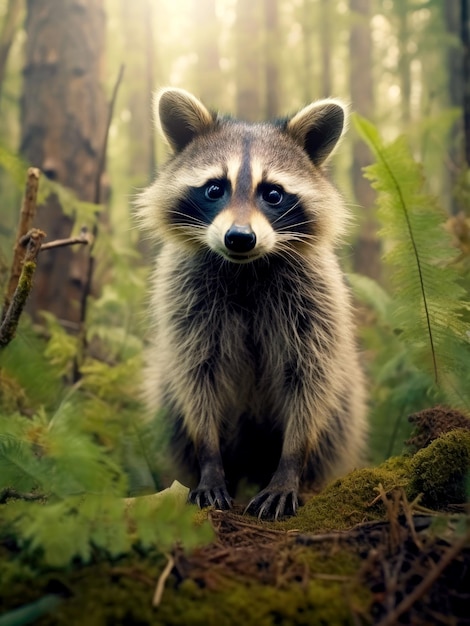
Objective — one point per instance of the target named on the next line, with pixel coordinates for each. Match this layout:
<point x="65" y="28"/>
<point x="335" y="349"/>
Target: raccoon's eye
<point x="272" y="195"/>
<point x="214" y="190"/>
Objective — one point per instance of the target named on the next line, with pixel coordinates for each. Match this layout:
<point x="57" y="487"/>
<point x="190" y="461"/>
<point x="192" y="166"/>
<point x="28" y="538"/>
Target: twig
<point x="23" y="289"/>
<point x="104" y="148"/>
<point x="85" y="238"/>
<point x="426" y="583"/>
<point x="27" y="214"/>
<point x="91" y="260"/>
<point x="157" y="596"/>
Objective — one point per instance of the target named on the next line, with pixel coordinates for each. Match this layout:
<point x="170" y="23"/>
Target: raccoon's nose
<point x="240" y="238"/>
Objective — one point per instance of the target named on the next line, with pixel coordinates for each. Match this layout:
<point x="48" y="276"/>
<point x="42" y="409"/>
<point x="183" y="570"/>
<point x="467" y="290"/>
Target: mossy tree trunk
<point x="63" y="126"/>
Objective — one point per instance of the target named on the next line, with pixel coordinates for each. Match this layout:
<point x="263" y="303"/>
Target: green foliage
<point x="398" y="387"/>
<point x="24" y="360"/>
<point x="83" y="511"/>
<point x="67" y="468"/>
<point x="428" y="302"/>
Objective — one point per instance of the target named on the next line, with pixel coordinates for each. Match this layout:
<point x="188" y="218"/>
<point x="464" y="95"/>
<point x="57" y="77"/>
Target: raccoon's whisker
<point x="294" y="206"/>
<point x="189" y="220"/>
<point x="296" y="225"/>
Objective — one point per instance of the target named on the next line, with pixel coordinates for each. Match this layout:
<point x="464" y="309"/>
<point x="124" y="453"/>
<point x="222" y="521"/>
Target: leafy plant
<point x="423" y="319"/>
<point x="69" y="496"/>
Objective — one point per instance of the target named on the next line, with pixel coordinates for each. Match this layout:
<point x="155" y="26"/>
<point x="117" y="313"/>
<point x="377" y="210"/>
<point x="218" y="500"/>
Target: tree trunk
<point x="137" y="25"/>
<point x="273" y="45"/>
<point x="465" y="35"/>
<point x="11" y="23"/>
<point x="453" y="21"/>
<point x="248" y="50"/>
<point x="404" y="60"/>
<point x="326" y="47"/>
<point x="206" y="43"/>
<point x="367" y="249"/>
<point x="63" y="127"/>
<point x="307" y="40"/>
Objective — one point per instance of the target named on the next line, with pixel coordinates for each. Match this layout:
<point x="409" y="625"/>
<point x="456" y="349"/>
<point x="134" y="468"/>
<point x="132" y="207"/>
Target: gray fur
<point x="252" y="355"/>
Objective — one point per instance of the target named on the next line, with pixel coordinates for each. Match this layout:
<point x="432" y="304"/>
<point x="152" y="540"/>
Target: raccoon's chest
<point x="240" y="312"/>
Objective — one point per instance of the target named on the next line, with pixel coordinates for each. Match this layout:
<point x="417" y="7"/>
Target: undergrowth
<point x="419" y="339"/>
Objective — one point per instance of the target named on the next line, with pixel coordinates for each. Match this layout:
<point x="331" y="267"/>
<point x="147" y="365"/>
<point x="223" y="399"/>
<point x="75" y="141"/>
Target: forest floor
<point x="385" y="545"/>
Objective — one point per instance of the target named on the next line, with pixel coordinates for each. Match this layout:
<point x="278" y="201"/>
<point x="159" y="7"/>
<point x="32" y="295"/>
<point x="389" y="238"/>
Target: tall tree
<point x="455" y="72"/>
<point x="139" y="44"/>
<point x="10" y="26"/>
<point x="206" y="32"/>
<point x="367" y="250"/>
<point x="272" y="46"/>
<point x="465" y="35"/>
<point x="306" y="23"/>
<point x="63" y="127"/>
<point x="248" y="32"/>
<point x="402" y="8"/>
<point x="326" y="47"/>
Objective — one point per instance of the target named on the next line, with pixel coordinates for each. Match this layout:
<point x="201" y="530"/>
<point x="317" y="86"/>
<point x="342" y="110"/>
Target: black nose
<point x="240" y="238"/>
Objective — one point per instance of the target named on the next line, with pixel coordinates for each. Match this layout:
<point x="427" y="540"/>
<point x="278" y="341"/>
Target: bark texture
<point x="63" y="126"/>
<point x="367" y="250"/>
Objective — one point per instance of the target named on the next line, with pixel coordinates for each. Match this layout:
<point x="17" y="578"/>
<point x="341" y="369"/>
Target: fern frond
<point x="78" y="526"/>
<point x="428" y="300"/>
<point x="19" y="468"/>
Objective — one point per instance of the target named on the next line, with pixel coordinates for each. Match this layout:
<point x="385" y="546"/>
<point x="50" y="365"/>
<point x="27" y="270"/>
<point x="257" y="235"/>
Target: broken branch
<point x="24" y="285"/>
<point x="85" y="238"/>
<point x="27" y="214"/>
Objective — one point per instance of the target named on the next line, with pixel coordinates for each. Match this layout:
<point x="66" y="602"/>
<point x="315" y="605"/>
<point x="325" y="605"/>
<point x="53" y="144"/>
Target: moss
<point x="317" y="584"/>
<point x="121" y="593"/>
<point x="348" y="501"/>
<point x="440" y="472"/>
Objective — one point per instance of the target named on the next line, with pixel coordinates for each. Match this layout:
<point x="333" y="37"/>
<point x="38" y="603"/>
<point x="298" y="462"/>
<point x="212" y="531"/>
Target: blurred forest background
<point x="400" y="63"/>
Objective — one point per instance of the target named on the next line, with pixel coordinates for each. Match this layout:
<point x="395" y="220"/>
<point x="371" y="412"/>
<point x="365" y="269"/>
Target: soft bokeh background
<point x="400" y="63"/>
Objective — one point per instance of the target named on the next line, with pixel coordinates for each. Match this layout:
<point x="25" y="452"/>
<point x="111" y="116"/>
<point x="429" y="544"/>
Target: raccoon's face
<point x="244" y="190"/>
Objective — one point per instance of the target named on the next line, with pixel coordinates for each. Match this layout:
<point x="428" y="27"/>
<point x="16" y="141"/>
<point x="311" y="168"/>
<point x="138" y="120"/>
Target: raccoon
<point x="252" y="354"/>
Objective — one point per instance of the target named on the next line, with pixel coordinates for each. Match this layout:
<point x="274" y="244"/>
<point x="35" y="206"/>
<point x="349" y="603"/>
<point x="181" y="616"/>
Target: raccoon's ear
<point x="180" y="117"/>
<point x="318" y="127"/>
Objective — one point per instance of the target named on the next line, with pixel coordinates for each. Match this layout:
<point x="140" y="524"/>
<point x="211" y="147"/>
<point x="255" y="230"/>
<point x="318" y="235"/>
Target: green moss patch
<point x="440" y="472"/>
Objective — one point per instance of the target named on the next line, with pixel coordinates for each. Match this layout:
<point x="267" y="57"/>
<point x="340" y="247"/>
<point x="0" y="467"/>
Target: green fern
<point x="84" y="512"/>
<point x="428" y="301"/>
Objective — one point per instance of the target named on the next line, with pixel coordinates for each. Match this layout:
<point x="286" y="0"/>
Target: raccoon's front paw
<point x="218" y="497"/>
<point x="273" y="504"/>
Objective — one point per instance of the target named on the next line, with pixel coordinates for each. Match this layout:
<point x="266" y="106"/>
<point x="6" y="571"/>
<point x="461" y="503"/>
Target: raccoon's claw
<point x="269" y="504"/>
<point x="218" y="497"/>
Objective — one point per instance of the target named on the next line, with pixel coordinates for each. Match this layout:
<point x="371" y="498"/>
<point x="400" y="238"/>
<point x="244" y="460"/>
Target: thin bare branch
<point x="84" y="238"/>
